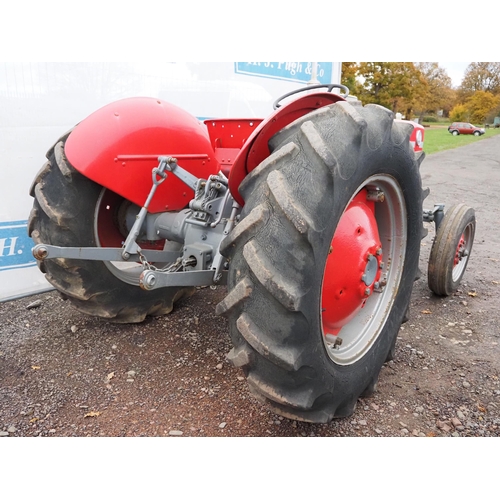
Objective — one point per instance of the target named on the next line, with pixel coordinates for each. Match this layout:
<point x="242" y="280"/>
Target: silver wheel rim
<point x="359" y="335"/>
<point x="127" y="272"/>
<point x="459" y="269"/>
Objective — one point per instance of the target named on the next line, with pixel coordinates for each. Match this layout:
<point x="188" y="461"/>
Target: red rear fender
<point x="100" y="148"/>
<point x="256" y="148"/>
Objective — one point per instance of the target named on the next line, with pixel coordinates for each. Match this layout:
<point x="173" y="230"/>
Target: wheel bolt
<point x="367" y="291"/>
<point x="375" y="195"/>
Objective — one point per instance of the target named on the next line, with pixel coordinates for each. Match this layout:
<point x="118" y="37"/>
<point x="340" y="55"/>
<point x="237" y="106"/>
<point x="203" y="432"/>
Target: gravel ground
<point x="66" y="374"/>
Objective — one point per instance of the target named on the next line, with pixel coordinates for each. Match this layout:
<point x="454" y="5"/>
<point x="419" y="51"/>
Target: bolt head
<point x="41" y="253"/>
<point x="367" y="291"/>
<point x="150" y="280"/>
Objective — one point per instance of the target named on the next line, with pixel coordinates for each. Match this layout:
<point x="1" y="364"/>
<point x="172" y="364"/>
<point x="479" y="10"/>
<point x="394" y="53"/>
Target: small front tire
<point x="451" y="249"/>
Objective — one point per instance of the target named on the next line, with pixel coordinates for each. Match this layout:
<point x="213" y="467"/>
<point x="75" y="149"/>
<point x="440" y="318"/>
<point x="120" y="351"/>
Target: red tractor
<point x="312" y="217"/>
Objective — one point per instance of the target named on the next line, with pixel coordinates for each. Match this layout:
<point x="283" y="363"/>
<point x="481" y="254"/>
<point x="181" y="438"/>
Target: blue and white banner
<point x="19" y="274"/>
<point x="300" y="72"/>
<point x="15" y="246"/>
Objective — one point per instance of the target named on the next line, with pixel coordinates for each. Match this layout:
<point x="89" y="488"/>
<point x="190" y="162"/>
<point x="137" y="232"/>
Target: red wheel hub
<point x="459" y="251"/>
<point x="108" y="224"/>
<point x="353" y="267"/>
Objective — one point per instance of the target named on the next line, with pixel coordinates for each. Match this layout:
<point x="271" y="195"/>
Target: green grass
<point x="439" y="139"/>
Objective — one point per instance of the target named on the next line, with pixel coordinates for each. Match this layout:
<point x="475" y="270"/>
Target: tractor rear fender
<point x="256" y="148"/>
<point x="118" y="146"/>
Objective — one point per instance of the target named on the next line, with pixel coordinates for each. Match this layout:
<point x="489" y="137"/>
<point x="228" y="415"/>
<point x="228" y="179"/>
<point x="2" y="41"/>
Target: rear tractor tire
<point x="69" y="210"/>
<point x="451" y="249"/>
<point x="323" y="260"/>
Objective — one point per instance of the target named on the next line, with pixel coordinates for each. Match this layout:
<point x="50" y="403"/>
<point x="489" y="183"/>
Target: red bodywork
<point x="256" y="148"/>
<point x="417" y="136"/>
<point x="118" y="146"/>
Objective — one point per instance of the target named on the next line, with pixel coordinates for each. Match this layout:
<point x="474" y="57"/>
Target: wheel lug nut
<point x="375" y="195"/>
<point x="367" y="291"/>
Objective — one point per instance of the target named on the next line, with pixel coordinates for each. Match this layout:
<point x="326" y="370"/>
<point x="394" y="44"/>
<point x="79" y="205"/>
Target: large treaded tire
<point x="293" y="203"/>
<point x="63" y="215"/>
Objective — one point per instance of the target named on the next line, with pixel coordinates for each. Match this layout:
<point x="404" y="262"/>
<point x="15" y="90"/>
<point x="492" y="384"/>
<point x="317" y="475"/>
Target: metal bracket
<point x="151" y="280"/>
<point x="42" y="252"/>
<point x="172" y="166"/>
<point x="158" y="174"/>
<point x="435" y="215"/>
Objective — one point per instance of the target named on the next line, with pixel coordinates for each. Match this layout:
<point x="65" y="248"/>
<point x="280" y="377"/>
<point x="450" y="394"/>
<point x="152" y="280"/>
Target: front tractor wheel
<point x="323" y="260"/>
<point x="70" y="210"/>
<point x="451" y="249"/>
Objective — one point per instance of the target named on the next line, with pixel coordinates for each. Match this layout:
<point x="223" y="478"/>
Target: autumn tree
<point x="459" y="113"/>
<point x="405" y="87"/>
<point x="479" y="107"/>
<point x="395" y="85"/>
<point x="438" y="94"/>
<point x="348" y="77"/>
<point x="484" y="76"/>
<point x="480" y="104"/>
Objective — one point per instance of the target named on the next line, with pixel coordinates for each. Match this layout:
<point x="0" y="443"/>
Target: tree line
<point x="422" y="89"/>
